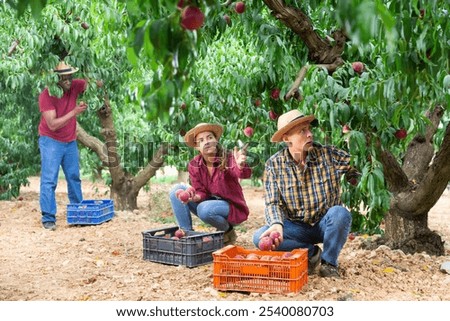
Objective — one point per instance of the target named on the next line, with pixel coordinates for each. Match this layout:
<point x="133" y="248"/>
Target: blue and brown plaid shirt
<point x="306" y="193"/>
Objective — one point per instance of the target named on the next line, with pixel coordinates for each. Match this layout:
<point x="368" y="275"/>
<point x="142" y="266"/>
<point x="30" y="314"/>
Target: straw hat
<point x="289" y="120"/>
<point x="64" y="69"/>
<point x="189" y="138"/>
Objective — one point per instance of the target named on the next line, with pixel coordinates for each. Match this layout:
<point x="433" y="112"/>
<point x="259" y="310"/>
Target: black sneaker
<point x="329" y="271"/>
<point x="313" y="261"/>
<point x="49" y="226"/>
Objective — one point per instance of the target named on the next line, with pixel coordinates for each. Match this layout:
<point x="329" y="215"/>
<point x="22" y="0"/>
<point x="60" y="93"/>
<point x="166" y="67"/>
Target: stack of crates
<point x="194" y="249"/>
<point x="240" y="269"/>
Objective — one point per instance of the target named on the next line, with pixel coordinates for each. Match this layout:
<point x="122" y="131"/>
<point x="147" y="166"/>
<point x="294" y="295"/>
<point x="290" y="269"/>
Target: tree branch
<point x="13" y="47"/>
<point x="321" y="51"/>
<point x="149" y="171"/>
<point x="395" y="177"/>
<point x="293" y="91"/>
<point x="420" y="150"/>
<point x="95" y="144"/>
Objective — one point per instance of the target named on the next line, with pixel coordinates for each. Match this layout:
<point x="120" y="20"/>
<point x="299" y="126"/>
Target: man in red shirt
<point x="215" y="195"/>
<point x="57" y="141"/>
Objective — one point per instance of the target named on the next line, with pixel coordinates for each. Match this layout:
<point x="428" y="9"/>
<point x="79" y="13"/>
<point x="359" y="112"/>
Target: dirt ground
<point x="105" y="262"/>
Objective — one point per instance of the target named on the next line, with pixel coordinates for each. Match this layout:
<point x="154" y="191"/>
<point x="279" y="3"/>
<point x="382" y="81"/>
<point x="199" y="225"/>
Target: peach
<point x="358" y="67"/>
<point x="273" y="115"/>
<point x="252" y="256"/>
<point x="274" y="235"/>
<point x="184" y="196"/>
<point x="240" y="7"/>
<point x="275" y="94"/>
<point x="192" y="18"/>
<point x="178" y="192"/>
<point x="401" y="133"/>
<point x="248" y="131"/>
<point x="265" y="243"/>
<point x="180" y="233"/>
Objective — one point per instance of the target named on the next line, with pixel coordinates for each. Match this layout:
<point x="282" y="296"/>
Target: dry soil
<point x="105" y="262"/>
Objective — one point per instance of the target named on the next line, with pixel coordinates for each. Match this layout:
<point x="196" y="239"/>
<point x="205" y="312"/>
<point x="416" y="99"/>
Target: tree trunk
<point x="124" y="187"/>
<point x="412" y="236"/>
<point x="417" y="185"/>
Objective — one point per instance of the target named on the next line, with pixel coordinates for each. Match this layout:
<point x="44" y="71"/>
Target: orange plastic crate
<point x="270" y="273"/>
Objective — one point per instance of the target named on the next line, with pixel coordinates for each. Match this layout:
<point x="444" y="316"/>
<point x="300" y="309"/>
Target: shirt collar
<point x="310" y="158"/>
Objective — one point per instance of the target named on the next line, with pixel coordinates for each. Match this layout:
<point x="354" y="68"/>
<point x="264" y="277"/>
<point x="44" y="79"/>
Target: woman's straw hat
<point x="189" y="138"/>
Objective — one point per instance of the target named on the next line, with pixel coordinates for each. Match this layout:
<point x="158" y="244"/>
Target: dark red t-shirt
<point x="222" y="183"/>
<point x="62" y="106"/>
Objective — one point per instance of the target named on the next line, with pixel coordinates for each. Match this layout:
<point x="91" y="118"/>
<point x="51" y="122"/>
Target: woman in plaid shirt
<point x="215" y="194"/>
<point x="302" y="199"/>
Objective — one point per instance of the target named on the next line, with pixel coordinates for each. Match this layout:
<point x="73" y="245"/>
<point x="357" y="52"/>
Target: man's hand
<point x="274" y="228"/>
<point x="81" y="107"/>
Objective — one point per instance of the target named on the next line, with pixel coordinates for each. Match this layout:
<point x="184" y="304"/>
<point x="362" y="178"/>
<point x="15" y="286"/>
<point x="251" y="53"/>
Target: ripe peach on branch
<point x="248" y="131"/>
<point x="192" y="18"/>
<point x="401" y="133"/>
<point x="275" y="94"/>
<point x="240" y="7"/>
<point x="273" y="115"/>
<point x="358" y="67"/>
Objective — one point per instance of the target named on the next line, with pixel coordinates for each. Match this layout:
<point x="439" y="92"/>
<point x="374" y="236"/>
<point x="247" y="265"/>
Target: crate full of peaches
<point x="260" y="270"/>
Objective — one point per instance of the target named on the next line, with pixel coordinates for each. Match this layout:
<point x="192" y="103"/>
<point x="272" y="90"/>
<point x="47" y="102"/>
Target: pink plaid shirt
<point x="222" y="183"/>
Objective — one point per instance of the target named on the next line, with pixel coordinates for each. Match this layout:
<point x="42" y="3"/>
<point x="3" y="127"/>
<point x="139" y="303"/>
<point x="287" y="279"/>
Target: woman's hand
<point x="239" y="156"/>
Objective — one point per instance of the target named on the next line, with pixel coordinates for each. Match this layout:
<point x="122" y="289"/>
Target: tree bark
<point x="416" y="186"/>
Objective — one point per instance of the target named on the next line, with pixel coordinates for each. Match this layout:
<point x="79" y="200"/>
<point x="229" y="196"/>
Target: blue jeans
<point x="55" y="154"/>
<point x="213" y="212"/>
<point x="332" y="230"/>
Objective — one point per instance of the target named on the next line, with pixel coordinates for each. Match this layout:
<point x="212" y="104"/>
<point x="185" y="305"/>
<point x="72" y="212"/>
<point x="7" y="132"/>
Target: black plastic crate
<point x="192" y="250"/>
<point x="90" y="212"/>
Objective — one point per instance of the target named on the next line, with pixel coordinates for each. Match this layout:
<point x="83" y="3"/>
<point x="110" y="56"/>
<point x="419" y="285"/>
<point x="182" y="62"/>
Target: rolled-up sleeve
<point x="196" y="181"/>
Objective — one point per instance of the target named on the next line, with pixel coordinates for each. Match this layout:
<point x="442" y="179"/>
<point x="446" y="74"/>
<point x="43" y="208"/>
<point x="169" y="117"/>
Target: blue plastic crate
<point x="90" y="212"/>
<point x="194" y="249"/>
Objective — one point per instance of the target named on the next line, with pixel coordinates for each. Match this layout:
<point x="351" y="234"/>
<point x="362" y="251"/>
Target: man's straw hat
<point x="189" y="138"/>
<point x="289" y="120"/>
<point x="64" y="69"/>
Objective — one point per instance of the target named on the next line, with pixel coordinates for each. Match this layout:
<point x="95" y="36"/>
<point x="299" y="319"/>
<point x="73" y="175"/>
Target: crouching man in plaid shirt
<point x="302" y="195"/>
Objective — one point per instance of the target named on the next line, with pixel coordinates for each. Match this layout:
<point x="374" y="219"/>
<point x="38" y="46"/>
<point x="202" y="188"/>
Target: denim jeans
<point x="213" y="212"/>
<point x="55" y="154"/>
<point x="332" y="230"/>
